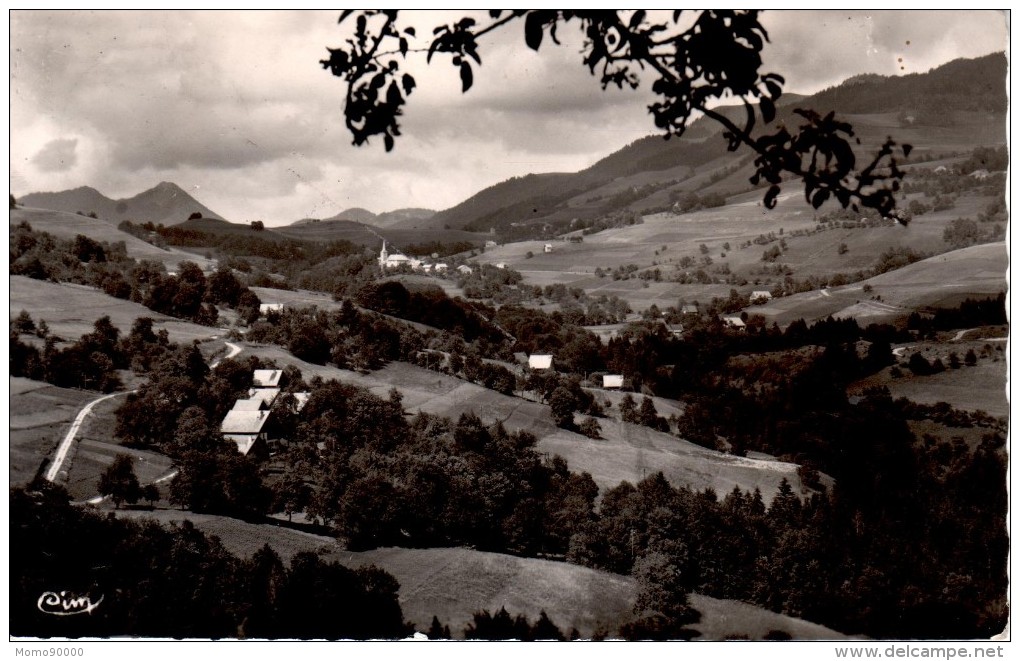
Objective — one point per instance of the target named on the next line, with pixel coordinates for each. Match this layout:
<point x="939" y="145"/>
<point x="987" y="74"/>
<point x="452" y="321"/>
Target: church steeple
<point x="383" y="255"/>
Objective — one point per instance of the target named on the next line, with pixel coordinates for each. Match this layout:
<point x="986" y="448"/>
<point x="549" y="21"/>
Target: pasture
<point x="96" y="449"/>
<point x="664" y="239"/>
<point x="70" y="310"/>
<point x="982" y="387"/>
<point x="977" y="271"/>
<point x="454" y="583"/>
<point x="68" y="225"/>
<point x="40" y="415"/>
<point x="625" y="451"/>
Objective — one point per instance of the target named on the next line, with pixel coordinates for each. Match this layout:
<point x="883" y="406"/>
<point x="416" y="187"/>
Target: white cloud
<point x="235" y="107"/>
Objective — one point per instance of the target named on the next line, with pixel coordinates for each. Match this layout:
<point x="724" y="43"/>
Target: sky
<point x="235" y="108"/>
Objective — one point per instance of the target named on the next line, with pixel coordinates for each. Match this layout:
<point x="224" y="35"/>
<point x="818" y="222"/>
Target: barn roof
<point x="244" y="422"/>
<point x="267" y="378"/>
<point x="245" y="442"/>
<point x="612" y="381"/>
<point x="253" y="404"/>
<point x="540" y="361"/>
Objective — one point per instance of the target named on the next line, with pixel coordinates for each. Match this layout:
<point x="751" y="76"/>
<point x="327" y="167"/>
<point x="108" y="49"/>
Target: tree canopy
<point x="698" y="59"/>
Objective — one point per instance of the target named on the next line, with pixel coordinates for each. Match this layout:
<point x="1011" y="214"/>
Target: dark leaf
<point x="768" y="109"/>
<point x="770" y="197"/>
<point x="466" y="77"/>
<point x="408" y="83"/>
<point x="409" y="31"/>
<point x="533" y="30"/>
<point x="403" y="46"/>
<point x="820" y="197"/>
<point x="495" y="13"/>
<point x="907" y="149"/>
<point x="388" y="141"/>
<point x="636" y="19"/>
<point x="346" y="13"/>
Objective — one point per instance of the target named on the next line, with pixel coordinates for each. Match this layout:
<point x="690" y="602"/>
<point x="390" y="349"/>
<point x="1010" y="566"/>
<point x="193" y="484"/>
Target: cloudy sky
<point x="234" y="107"/>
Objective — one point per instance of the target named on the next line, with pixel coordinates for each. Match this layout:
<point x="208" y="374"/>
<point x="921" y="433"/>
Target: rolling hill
<point x="944" y="280"/>
<point x="165" y="203"/>
<point x="956" y="107"/>
<point x="64" y="225"/>
<point x="385" y="219"/>
<point x="453" y="583"/>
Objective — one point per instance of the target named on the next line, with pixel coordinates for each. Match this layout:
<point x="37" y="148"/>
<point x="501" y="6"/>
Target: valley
<point x="803" y="398"/>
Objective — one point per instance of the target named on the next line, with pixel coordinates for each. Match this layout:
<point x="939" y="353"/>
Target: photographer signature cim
<point x="66" y="603"/>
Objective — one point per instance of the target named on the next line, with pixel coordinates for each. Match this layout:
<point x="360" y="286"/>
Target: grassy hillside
<point x="70" y="310"/>
<point x="66" y="225"/>
<point x="941" y="280"/>
<point x="453" y="583"/>
<point x="956" y="107"/>
<point x="40" y="415"/>
<point x="626" y="451"/>
<point x="401" y="234"/>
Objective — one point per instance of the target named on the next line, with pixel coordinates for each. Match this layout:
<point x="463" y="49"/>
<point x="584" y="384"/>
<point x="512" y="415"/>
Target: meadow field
<point x="454" y="583"/>
<point x="70" y="310"/>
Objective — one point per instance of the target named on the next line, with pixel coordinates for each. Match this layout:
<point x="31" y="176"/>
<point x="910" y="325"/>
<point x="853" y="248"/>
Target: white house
<point x="266" y="396"/>
<point x="442" y="267"/>
<point x="540" y="361"/>
<point x="761" y="296"/>
<point x="548" y="247"/>
<point x="501" y="265"/>
<point x="689" y="309"/>
<point x="267" y="378"/>
<point x="612" y="381"/>
<point x="247" y="429"/>
<point x="465" y="269"/>
<point x="266" y="308"/>
<point x="491" y="244"/>
<point x="734" y="322"/>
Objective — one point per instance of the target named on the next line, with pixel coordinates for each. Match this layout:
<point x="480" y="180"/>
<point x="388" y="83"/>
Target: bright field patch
<point x="71" y="310"/>
<point x="68" y="225"/>
<point x="40" y="415"/>
<point x="625" y="452"/>
<point x="454" y="583"/>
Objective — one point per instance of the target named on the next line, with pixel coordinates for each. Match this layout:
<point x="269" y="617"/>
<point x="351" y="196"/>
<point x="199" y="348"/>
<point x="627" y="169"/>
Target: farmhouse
<point x="248" y="430"/>
<point x="761" y="296"/>
<point x="676" y="330"/>
<point x="267" y="378"/>
<point x="548" y="247"/>
<point x="501" y="265"/>
<point x="689" y="309"/>
<point x="266" y="308"/>
<point x="540" y="361"/>
<point x="612" y="381"/>
<point x="264" y="395"/>
<point x="491" y="244"/>
<point x="465" y="269"/>
<point x="441" y="267"/>
<point x="735" y="322"/>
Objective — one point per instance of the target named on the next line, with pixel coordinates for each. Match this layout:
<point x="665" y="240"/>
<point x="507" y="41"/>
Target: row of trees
<point x="188" y="294"/>
<point x="175" y="582"/>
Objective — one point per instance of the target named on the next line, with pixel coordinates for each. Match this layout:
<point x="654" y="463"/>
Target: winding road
<point x="65" y="445"/>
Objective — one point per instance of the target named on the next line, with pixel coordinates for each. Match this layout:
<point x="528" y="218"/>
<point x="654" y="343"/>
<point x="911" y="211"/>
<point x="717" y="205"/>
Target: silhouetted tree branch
<point x="699" y="58"/>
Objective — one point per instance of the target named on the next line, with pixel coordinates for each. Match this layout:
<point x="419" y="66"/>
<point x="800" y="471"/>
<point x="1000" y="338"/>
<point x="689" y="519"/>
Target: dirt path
<point x="65" y="445"/>
<point x="234" y="350"/>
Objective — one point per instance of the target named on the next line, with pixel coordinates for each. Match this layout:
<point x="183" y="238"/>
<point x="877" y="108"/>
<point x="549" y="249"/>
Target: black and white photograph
<point x="524" y="325"/>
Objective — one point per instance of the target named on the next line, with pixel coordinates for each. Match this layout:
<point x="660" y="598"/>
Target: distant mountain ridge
<point x="963" y="102"/>
<point x="165" y="203"/>
<point x="364" y="216"/>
